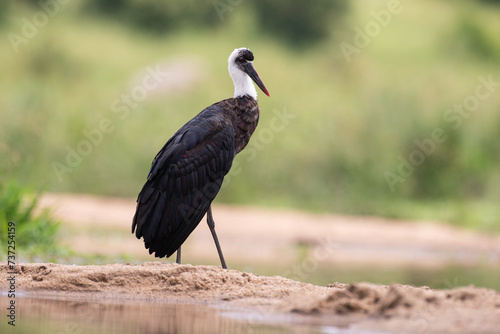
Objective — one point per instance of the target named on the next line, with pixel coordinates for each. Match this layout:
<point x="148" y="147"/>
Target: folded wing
<point x="184" y="178"/>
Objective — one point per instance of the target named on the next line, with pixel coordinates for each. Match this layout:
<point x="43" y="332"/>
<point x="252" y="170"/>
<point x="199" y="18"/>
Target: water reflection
<point x="35" y="315"/>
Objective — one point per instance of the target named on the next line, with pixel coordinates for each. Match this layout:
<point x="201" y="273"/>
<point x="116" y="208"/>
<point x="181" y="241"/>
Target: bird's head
<point x="240" y="65"/>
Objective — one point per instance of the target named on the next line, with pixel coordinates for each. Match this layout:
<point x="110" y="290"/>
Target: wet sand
<point x="361" y="306"/>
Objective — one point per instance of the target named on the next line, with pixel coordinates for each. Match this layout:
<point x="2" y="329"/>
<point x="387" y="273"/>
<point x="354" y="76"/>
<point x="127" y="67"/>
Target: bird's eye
<point x="241" y="59"/>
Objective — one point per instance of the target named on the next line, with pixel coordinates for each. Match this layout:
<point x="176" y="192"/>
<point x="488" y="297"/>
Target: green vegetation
<point x="31" y="235"/>
<point x="352" y="120"/>
<point x="291" y="22"/>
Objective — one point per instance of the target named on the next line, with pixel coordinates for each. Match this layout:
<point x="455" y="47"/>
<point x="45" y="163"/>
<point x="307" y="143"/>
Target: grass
<point x="24" y="233"/>
<point x="351" y="120"/>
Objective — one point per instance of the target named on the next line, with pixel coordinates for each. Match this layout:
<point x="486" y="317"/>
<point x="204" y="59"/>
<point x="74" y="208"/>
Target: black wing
<point x="184" y="178"/>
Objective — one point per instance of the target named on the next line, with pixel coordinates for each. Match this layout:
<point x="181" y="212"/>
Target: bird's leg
<point x="211" y="225"/>
<point x="178" y="260"/>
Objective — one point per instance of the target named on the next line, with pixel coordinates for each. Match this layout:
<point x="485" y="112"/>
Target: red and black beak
<point x="252" y="73"/>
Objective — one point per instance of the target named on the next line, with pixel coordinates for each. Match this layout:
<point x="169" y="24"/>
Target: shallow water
<point x="37" y="315"/>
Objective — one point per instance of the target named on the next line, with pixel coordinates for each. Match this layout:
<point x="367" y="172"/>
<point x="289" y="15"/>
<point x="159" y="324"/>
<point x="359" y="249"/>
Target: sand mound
<point x="156" y="280"/>
<point x="369" y="306"/>
<point x="397" y="300"/>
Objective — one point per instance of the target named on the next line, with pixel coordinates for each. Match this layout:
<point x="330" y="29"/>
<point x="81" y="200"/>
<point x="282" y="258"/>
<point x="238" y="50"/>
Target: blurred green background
<point x="353" y="85"/>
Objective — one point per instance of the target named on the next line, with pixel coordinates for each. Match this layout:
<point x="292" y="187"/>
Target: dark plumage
<point x="187" y="173"/>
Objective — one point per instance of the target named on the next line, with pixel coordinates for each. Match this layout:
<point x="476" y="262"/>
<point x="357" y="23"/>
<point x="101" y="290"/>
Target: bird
<point x="187" y="173"/>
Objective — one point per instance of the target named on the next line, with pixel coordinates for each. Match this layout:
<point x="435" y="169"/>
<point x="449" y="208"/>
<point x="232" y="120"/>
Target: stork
<point x="188" y="171"/>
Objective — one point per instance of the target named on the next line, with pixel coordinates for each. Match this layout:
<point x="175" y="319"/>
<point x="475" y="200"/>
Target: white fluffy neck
<point x="243" y="84"/>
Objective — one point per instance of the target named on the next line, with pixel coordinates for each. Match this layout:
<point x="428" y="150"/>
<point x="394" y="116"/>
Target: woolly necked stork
<point x="187" y="173"/>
